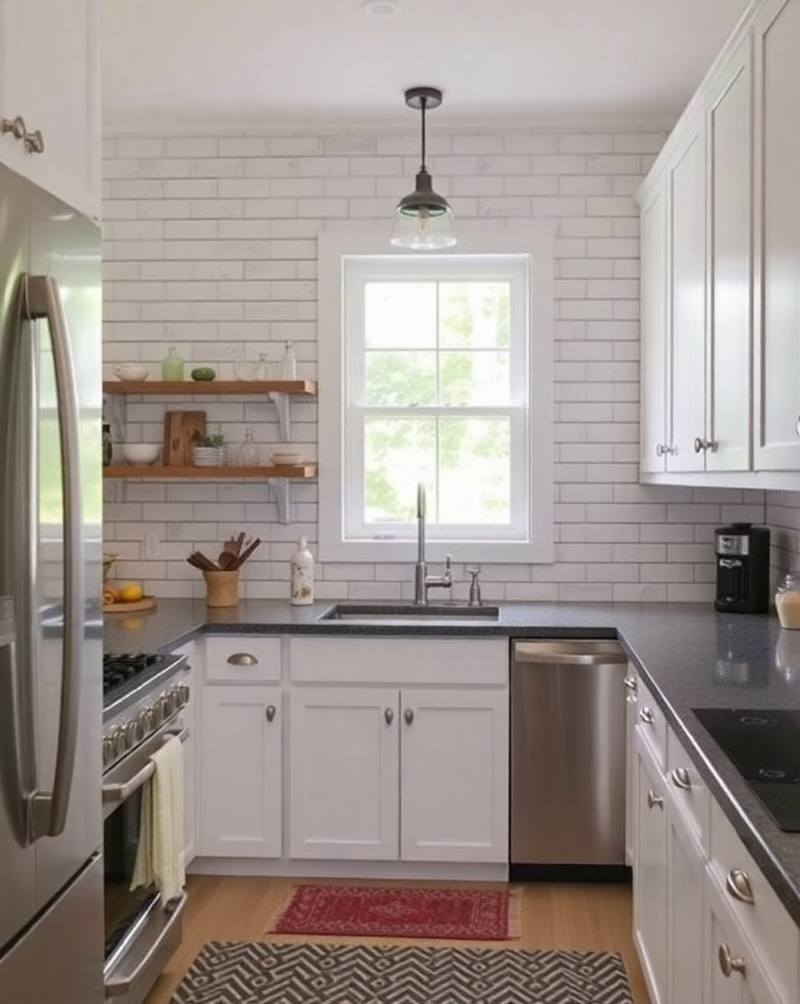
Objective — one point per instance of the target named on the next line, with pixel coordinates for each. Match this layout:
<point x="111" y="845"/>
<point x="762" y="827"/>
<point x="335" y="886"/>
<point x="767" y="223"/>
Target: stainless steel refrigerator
<point x="51" y="875"/>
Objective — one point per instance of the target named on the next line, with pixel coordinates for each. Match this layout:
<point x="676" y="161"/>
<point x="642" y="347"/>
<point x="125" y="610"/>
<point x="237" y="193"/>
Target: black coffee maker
<point x="742" y="552"/>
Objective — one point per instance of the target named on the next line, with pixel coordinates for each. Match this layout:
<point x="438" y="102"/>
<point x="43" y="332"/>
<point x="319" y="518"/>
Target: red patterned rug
<point x="387" y="912"/>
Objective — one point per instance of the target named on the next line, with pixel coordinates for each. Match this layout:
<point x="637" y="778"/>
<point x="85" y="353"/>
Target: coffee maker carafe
<point x="742" y="555"/>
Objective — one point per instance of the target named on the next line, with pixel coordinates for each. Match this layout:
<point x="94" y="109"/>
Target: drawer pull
<point x="681" y="779"/>
<point x="242" y="659"/>
<point x="388" y="714"/>
<point x="408" y="714"/>
<point x="738" y="885"/>
<point x="631" y="683"/>
<point x="730" y="963"/>
<point x="647" y="716"/>
<point x="654" y="800"/>
<point x="270" y="712"/>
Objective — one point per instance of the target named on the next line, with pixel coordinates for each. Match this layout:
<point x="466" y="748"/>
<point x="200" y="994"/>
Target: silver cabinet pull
<point x="242" y="659"/>
<point x="408" y="714"/>
<point x="34" y="141"/>
<point x="797" y="426"/>
<point x="699" y="445"/>
<point x="388" y="714"/>
<point x="121" y="986"/>
<point x="730" y="963"/>
<point x="705" y="444"/>
<point x="631" y="683"/>
<point x="16" y="127"/>
<point x="681" y="779"/>
<point x="647" y="716"/>
<point x="270" y="712"/>
<point x="654" y="800"/>
<point x="661" y="450"/>
<point x="738" y="885"/>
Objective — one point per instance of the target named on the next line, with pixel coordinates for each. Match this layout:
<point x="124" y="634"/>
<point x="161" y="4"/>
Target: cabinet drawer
<point x="688" y="792"/>
<point x="242" y="658"/>
<point x="399" y="661"/>
<point x="651" y="723"/>
<point x="765" y="922"/>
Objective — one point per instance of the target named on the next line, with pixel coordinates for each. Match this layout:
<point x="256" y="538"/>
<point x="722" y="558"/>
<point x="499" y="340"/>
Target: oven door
<point x="141" y="934"/>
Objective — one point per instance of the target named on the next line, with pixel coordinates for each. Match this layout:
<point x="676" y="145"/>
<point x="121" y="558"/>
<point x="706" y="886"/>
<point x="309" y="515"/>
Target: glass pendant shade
<point x="423" y="220"/>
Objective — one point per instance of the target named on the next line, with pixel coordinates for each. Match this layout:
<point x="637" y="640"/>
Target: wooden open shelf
<point x="298" y="471"/>
<point x="197" y="388"/>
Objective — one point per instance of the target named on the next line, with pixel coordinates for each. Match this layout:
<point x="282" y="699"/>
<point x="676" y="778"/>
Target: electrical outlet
<point x="151" y="545"/>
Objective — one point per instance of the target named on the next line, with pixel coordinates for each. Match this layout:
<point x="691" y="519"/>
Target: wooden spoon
<point x="226" y="560"/>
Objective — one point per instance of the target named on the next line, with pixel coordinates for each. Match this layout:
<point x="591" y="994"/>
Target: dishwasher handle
<point x="565" y="653"/>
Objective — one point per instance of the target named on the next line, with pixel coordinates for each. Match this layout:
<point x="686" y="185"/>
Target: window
<point x="436" y="368"/>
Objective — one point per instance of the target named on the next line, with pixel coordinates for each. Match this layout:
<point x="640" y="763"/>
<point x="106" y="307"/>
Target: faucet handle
<point x="474" y="586"/>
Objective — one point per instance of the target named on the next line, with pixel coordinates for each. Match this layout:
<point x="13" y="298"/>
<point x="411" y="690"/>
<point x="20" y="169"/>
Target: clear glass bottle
<point x="108" y="446"/>
<point x="172" y="365"/>
<point x="787" y="600"/>
<point x="288" y="363"/>
<point x="248" y="453"/>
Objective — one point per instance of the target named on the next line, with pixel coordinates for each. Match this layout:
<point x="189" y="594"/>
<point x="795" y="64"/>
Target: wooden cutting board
<point x="145" y="603"/>
<point x="179" y="429"/>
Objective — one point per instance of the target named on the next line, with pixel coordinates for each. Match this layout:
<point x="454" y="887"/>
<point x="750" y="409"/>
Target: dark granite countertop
<point x="689" y="655"/>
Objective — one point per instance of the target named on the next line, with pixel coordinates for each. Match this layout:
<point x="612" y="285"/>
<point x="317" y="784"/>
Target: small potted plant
<point x="209" y="450"/>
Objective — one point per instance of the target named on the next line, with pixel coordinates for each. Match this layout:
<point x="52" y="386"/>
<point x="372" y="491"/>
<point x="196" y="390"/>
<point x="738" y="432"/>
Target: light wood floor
<point x="554" y="915"/>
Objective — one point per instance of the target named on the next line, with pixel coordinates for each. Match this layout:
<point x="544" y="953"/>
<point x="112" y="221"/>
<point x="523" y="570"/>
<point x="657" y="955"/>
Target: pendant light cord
<point x="423" y="101"/>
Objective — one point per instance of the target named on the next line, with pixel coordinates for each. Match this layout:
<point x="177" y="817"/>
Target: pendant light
<point x="423" y="220"/>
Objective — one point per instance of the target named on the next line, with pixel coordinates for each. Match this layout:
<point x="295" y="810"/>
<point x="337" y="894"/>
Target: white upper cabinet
<point x="49" y="81"/>
<point x="653" y="368"/>
<point x="777" y="221"/>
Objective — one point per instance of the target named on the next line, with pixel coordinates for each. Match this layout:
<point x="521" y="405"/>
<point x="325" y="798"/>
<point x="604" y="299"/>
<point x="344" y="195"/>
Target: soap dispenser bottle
<point x="302" y="575"/>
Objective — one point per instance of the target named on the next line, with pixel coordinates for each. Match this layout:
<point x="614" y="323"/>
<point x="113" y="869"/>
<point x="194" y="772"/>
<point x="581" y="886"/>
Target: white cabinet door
<point x="50" y="52"/>
<point x="240" y="772"/>
<point x="777" y="221"/>
<point x="687" y="302"/>
<point x="653" y="366"/>
<point x="685" y="903"/>
<point x="650" y="874"/>
<point x="728" y="424"/>
<point x="343" y="784"/>
<point x="454" y="775"/>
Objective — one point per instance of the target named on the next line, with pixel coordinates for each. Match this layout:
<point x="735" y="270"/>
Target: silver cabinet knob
<point x="388" y="715"/>
<point x="661" y="450"/>
<point x="647" y="716"/>
<point x="654" y="800"/>
<point x="705" y="444"/>
<point x="730" y="963"/>
<point x="408" y="714"/>
<point x="242" y="659"/>
<point x="34" y="141"/>
<point x="270" y="712"/>
<point x="15" y="126"/>
<point x="631" y="683"/>
<point x="738" y="885"/>
<point x="681" y="779"/>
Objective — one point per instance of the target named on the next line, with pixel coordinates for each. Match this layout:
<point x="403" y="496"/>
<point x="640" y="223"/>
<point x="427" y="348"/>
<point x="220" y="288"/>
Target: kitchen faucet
<point x="422" y="581"/>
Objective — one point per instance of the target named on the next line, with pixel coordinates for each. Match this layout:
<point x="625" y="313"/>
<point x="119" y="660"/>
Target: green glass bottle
<point x="172" y="366"/>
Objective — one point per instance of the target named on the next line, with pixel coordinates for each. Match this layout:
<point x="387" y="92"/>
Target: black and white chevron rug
<point x="261" y="973"/>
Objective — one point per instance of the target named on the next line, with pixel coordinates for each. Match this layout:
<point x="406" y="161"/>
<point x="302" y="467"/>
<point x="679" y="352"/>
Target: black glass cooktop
<point x="764" y="746"/>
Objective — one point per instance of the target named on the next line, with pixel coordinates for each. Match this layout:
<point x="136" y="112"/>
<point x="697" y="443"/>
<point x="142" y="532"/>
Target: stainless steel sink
<point x="405" y="613"/>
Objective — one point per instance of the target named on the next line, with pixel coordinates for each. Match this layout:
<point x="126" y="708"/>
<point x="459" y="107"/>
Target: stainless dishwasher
<point x="567" y="794"/>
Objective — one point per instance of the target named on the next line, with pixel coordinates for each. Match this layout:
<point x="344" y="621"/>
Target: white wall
<point x="209" y="245"/>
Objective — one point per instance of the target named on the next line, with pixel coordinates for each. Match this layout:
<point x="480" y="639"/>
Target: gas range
<point x="764" y="746"/>
<point x="140" y="693"/>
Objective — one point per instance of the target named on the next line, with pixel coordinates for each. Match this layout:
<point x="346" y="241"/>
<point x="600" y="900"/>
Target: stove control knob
<point x="132" y="733"/>
<point x="118" y="739"/>
<point x="183" y="694"/>
<point x="168" y="702"/>
<point x="156" y="713"/>
<point x="108" y="750"/>
<point x="144" y="721"/>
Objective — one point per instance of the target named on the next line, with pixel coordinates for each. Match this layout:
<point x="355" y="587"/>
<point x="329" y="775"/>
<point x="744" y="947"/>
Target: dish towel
<point x="159" y="855"/>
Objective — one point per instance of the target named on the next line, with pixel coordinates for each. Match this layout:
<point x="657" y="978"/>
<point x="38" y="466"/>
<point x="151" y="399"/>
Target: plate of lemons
<point x="126" y="598"/>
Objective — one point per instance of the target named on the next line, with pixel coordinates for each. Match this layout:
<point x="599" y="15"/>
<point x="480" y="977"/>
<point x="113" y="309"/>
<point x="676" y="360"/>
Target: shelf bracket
<point x="279" y="489"/>
<point x="282" y="405"/>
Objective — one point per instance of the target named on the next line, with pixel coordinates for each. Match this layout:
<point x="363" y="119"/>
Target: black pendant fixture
<point x="423" y="220"/>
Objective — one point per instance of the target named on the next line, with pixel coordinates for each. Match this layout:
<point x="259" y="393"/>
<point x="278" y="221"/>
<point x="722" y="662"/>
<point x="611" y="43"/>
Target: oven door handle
<point x="119" y="986"/>
<point x="119" y="792"/>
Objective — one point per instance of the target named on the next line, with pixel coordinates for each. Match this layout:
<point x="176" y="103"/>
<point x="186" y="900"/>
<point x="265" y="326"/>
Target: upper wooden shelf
<point x="297" y="471"/>
<point x="196" y="388"/>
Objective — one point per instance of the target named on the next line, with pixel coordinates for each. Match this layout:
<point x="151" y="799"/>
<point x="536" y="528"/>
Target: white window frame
<point x="534" y="243"/>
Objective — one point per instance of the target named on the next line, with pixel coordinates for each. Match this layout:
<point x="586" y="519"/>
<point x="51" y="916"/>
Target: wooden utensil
<point x="199" y="560"/>
<point x="240" y="559"/>
<point x="226" y="560"/>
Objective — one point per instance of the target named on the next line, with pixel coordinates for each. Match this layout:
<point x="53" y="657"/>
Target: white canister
<point x="302" y="574"/>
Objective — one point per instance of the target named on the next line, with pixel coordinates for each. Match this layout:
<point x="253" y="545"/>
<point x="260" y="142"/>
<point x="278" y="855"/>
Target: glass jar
<point x="108" y="446"/>
<point x="172" y="366"/>
<point x="248" y="452"/>
<point x="787" y="600"/>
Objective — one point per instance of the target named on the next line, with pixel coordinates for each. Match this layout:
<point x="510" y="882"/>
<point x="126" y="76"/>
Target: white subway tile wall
<point x="209" y="245"/>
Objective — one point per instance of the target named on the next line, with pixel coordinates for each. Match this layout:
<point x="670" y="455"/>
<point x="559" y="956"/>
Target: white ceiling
<point x="194" y="62"/>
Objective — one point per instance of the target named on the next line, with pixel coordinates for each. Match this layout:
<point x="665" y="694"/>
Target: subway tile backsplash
<point x="209" y="244"/>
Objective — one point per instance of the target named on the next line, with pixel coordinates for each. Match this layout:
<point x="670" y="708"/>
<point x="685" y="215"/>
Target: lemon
<point x="130" y="593"/>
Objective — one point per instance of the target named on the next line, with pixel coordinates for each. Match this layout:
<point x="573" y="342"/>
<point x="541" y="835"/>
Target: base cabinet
<point x="378" y="774"/>
<point x="240" y="772"/>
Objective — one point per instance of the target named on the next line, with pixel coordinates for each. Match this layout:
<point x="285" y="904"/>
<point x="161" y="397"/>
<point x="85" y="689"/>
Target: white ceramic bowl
<point x="131" y="371"/>
<point x="286" y="459"/>
<point x="141" y="453"/>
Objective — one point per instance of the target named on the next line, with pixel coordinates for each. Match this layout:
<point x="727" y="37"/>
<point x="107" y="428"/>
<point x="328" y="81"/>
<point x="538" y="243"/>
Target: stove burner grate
<point x="117" y="669"/>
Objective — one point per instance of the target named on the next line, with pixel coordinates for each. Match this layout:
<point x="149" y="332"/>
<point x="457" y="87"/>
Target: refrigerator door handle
<point x="40" y="299"/>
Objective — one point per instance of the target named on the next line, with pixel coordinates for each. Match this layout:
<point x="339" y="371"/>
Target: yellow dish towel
<point x="159" y="856"/>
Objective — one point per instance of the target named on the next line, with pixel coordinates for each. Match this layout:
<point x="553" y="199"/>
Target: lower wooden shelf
<point x="298" y="471"/>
